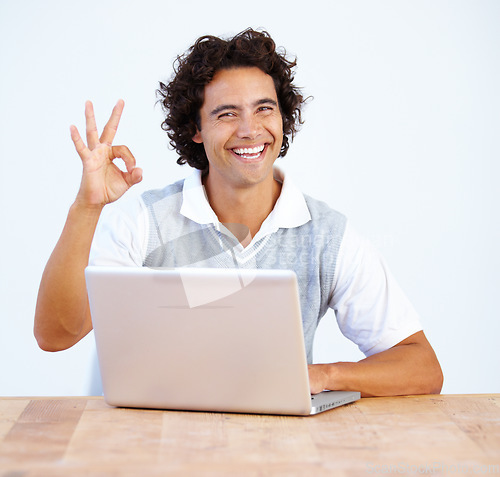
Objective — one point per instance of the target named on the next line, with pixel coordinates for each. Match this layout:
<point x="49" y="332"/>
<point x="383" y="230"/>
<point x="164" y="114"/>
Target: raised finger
<point x="92" y="134"/>
<point x="109" y="132"/>
<point x="80" y="146"/>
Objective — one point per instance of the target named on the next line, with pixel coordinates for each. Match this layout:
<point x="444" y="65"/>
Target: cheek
<point x="277" y="128"/>
<point x="277" y="121"/>
<point x="216" y="142"/>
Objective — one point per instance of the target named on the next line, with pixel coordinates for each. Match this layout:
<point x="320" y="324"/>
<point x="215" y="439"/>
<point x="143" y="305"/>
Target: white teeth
<point x="249" y="150"/>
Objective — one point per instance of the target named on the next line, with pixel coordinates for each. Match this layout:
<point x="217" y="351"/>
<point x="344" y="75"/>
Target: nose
<point x="249" y="127"/>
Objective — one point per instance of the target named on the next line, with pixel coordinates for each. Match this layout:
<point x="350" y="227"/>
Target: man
<point x="230" y="111"/>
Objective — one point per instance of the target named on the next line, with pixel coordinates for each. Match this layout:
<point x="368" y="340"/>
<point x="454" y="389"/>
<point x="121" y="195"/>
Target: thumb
<point x="134" y="176"/>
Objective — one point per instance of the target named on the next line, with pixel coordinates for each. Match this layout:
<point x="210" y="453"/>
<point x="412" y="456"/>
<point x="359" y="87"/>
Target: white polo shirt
<point x="370" y="308"/>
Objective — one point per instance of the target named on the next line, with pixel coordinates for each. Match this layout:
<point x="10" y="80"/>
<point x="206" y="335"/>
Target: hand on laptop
<point x="409" y="367"/>
<point x="317" y="378"/>
<point x="102" y="181"/>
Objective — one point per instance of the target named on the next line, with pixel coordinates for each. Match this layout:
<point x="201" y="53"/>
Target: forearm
<point x="408" y="368"/>
<point x="62" y="315"/>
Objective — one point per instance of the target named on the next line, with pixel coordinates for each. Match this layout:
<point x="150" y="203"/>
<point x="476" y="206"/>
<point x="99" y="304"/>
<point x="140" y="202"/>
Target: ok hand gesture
<point x="102" y="181"/>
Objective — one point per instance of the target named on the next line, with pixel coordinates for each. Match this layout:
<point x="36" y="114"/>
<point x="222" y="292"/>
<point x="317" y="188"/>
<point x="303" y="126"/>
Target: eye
<point x="228" y="114"/>
<point x="265" y="108"/>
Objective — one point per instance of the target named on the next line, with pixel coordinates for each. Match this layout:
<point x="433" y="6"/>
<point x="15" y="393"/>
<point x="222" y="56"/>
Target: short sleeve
<point x="120" y="237"/>
<point x="370" y="307"/>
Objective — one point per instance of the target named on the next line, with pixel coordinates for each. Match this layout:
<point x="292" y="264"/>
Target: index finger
<point x="109" y="131"/>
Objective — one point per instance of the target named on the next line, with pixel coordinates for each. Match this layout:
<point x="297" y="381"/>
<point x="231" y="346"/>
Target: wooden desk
<point x="434" y="435"/>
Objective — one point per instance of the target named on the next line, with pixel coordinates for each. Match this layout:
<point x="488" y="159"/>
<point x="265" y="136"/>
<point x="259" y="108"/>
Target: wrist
<point x="336" y="376"/>
<point x="83" y="209"/>
<point x="83" y="218"/>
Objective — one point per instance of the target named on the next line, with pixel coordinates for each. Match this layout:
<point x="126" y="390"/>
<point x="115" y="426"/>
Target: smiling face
<point x="241" y="128"/>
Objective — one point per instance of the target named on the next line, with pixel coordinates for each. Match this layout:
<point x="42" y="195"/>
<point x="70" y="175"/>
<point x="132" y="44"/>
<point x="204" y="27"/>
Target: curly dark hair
<point x="182" y="98"/>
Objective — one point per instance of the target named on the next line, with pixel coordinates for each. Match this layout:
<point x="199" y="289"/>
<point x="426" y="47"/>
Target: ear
<point x="197" y="137"/>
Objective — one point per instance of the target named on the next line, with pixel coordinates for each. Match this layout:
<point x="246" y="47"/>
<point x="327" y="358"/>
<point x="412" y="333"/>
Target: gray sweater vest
<point x="310" y="250"/>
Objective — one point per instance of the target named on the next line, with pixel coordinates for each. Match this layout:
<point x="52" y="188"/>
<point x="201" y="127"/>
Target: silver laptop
<point x="198" y="339"/>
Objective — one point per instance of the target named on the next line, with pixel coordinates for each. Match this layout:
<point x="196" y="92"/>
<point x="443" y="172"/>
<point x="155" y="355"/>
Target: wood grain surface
<point x="411" y="435"/>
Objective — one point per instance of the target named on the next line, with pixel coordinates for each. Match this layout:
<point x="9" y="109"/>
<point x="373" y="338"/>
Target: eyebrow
<point x="224" y="107"/>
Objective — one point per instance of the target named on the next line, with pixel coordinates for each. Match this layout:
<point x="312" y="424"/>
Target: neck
<point x="243" y="210"/>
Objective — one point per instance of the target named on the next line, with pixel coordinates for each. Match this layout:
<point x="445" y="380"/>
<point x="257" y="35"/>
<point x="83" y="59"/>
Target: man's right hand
<point x="102" y="181"/>
<point x="62" y="315"/>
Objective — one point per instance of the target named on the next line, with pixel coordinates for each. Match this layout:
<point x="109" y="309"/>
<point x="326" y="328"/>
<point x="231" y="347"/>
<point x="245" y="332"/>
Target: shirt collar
<point x="289" y="211"/>
<point x="195" y="205"/>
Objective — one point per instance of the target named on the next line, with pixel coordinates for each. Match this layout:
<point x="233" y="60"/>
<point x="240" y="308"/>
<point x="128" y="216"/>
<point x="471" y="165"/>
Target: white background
<point x="402" y="136"/>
